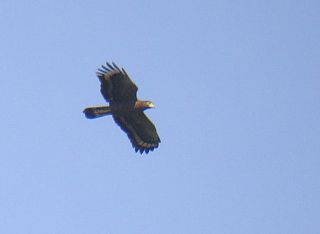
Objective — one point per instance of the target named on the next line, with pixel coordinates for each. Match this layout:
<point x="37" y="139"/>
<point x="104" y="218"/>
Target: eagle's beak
<point x="151" y="105"/>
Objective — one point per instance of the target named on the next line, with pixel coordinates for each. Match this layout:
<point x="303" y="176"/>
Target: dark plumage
<point x="127" y="111"/>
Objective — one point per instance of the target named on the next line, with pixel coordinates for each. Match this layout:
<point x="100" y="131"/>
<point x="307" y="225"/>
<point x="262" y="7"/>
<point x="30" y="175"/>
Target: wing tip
<point x="146" y="149"/>
<point x="108" y="70"/>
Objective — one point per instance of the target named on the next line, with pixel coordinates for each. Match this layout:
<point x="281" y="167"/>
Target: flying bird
<point x="126" y="109"/>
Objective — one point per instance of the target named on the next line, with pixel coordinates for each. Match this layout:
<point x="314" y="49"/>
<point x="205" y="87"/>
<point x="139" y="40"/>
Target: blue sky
<point x="236" y="85"/>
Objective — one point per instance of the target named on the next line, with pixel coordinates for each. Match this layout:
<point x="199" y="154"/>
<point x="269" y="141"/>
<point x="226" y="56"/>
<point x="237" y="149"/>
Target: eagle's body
<point x="127" y="111"/>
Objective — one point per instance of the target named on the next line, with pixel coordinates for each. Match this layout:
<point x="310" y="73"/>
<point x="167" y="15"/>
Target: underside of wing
<point x="140" y="130"/>
<point x="116" y="85"/>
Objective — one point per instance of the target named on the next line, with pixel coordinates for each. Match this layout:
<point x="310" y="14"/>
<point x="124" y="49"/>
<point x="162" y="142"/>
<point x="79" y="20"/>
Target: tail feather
<point x="97" y="111"/>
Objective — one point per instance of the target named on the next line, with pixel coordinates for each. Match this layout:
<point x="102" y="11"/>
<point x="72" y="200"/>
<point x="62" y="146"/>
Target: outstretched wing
<point x="140" y="130"/>
<point x="115" y="84"/>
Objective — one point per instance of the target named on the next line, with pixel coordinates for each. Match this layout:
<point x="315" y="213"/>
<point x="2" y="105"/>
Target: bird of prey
<point x="127" y="111"/>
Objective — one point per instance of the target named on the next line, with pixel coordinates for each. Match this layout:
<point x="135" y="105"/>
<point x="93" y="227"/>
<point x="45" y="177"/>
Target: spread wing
<point x="140" y="130"/>
<point x="116" y="85"/>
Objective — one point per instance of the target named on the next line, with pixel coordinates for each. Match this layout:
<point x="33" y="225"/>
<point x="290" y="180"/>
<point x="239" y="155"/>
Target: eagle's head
<point x="143" y="105"/>
<point x="149" y="104"/>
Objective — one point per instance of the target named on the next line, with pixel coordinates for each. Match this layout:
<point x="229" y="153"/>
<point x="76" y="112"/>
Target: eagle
<point x="126" y="109"/>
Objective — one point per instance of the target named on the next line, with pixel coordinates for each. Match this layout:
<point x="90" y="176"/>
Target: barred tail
<point x="97" y="111"/>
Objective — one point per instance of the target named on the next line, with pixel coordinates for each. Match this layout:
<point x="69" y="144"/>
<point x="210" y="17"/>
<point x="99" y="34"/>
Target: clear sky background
<point x="237" y="90"/>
